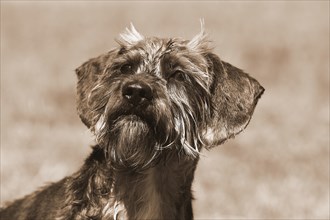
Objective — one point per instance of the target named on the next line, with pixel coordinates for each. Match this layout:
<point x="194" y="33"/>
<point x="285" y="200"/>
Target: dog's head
<point x="150" y="95"/>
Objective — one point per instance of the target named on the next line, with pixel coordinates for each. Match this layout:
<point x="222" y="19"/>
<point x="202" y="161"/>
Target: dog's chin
<point x="132" y="142"/>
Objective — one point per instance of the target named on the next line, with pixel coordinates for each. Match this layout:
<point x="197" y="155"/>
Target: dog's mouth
<point x="132" y="115"/>
<point x="124" y="123"/>
<point x="135" y="135"/>
<point x="130" y="122"/>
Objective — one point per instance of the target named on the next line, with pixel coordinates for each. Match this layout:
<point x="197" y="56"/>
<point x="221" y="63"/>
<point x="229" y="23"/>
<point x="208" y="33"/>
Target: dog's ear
<point x="234" y="95"/>
<point x="88" y="74"/>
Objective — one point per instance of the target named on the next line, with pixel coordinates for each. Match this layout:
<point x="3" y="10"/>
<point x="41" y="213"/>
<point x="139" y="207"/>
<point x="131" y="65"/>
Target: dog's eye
<point x="126" y="68"/>
<point x="178" y="75"/>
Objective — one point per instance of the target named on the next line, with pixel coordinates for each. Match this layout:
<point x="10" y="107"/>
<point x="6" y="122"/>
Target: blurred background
<point x="278" y="168"/>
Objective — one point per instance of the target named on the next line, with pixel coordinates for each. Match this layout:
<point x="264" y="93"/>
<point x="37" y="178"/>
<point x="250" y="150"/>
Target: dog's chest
<point x="151" y="197"/>
<point x="114" y="210"/>
<point x="147" y="201"/>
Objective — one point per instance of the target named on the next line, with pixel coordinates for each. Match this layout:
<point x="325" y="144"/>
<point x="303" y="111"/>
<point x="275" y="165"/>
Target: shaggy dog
<point x="152" y="104"/>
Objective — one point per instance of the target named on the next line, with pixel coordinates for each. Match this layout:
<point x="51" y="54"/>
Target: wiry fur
<point x="152" y="105"/>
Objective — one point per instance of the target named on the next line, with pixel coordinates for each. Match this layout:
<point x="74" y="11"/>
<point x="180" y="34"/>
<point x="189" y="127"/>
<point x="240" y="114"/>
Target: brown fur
<point x="152" y="105"/>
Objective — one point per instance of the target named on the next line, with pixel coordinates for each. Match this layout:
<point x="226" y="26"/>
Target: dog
<point x="152" y="104"/>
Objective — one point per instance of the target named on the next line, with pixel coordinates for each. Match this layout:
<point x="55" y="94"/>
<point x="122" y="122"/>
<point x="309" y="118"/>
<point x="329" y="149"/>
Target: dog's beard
<point x="131" y="142"/>
<point x="134" y="138"/>
<point x="128" y="142"/>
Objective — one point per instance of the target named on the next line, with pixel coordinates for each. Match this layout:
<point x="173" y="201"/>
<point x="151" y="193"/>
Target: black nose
<point x="137" y="93"/>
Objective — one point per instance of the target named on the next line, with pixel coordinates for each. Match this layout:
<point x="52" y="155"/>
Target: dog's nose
<point x="137" y="93"/>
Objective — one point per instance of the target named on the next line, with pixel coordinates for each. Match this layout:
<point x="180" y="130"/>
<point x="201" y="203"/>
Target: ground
<point x="278" y="168"/>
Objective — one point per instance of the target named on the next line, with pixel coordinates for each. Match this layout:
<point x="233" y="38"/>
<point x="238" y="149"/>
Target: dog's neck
<point x="160" y="192"/>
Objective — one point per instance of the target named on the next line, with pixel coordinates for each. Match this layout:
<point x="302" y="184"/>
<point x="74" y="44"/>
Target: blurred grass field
<point x="277" y="169"/>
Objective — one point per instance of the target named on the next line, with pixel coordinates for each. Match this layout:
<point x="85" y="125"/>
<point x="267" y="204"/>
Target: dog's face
<point x="151" y="95"/>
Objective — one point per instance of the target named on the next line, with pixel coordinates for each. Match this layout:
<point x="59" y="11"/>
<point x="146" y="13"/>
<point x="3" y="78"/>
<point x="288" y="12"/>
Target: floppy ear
<point x="88" y="74"/>
<point x="234" y="95"/>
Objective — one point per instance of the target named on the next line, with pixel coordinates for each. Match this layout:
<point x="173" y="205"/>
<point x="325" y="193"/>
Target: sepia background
<point x="278" y="168"/>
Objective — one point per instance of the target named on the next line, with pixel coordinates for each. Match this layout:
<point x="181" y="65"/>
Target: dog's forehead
<point x="152" y="52"/>
<point x="160" y="56"/>
<point x="155" y="47"/>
